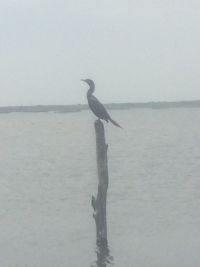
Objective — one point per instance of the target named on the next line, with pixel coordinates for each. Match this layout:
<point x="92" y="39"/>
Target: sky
<point x="134" y="50"/>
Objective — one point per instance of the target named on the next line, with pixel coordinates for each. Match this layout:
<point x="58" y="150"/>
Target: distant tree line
<point x="79" y="107"/>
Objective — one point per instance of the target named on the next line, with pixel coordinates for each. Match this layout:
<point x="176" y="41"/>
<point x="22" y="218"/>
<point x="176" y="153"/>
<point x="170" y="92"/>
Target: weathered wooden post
<point x="99" y="203"/>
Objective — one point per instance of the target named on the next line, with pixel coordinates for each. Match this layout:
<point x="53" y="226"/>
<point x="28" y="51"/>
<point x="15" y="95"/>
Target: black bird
<point x="97" y="108"/>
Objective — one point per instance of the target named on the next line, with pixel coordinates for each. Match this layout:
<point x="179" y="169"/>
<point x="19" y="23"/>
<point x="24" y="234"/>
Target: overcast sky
<point x="134" y="50"/>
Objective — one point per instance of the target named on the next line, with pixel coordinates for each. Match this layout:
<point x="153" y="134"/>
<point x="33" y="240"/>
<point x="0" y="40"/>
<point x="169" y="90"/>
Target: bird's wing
<point x="98" y="108"/>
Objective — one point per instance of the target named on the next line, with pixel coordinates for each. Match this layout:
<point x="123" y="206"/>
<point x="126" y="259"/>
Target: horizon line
<point x="108" y="103"/>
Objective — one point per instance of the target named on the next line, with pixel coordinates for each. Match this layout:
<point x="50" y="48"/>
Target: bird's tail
<point x="114" y="122"/>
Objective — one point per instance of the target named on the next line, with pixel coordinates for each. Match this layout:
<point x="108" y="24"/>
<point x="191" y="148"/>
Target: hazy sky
<point x="134" y="50"/>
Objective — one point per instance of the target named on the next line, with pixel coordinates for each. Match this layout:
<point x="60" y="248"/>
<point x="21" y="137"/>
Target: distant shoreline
<point x="117" y="106"/>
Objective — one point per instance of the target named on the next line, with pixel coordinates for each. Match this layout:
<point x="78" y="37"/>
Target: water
<point x="48" y="174"/>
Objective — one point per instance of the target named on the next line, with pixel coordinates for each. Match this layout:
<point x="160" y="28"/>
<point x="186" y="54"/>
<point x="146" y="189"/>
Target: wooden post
<point x="99" y="203"/>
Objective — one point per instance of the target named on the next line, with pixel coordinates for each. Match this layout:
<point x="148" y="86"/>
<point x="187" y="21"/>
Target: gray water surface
<point x="48" y="174"/>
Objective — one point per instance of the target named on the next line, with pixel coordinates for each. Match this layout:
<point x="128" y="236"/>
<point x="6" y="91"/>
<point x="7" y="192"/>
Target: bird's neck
<point x="91" y="90"/>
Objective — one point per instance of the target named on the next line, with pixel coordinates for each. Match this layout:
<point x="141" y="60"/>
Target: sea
<point x="48" y="176"/>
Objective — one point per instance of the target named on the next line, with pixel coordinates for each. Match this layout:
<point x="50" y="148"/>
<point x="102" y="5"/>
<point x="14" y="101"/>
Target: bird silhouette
<point x="95" y="105"/>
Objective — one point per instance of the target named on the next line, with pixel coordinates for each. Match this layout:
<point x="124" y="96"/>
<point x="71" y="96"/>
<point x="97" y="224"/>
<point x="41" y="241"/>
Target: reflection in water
<point x="104" y="258"/>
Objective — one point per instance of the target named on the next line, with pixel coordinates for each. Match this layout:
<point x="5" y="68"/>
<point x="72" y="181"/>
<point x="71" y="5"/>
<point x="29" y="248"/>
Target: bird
<point x="95" y="105"/>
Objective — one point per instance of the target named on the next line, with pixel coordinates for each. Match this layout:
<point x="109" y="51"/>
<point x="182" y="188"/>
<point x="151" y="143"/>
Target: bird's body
<point x="96" y="106"/>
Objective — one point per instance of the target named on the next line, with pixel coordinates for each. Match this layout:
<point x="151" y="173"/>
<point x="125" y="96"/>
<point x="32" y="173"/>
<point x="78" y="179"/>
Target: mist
<point x="135" y="51"/>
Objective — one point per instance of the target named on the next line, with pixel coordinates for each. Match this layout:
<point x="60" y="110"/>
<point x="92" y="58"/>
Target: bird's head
<point x="89" y="82"/>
